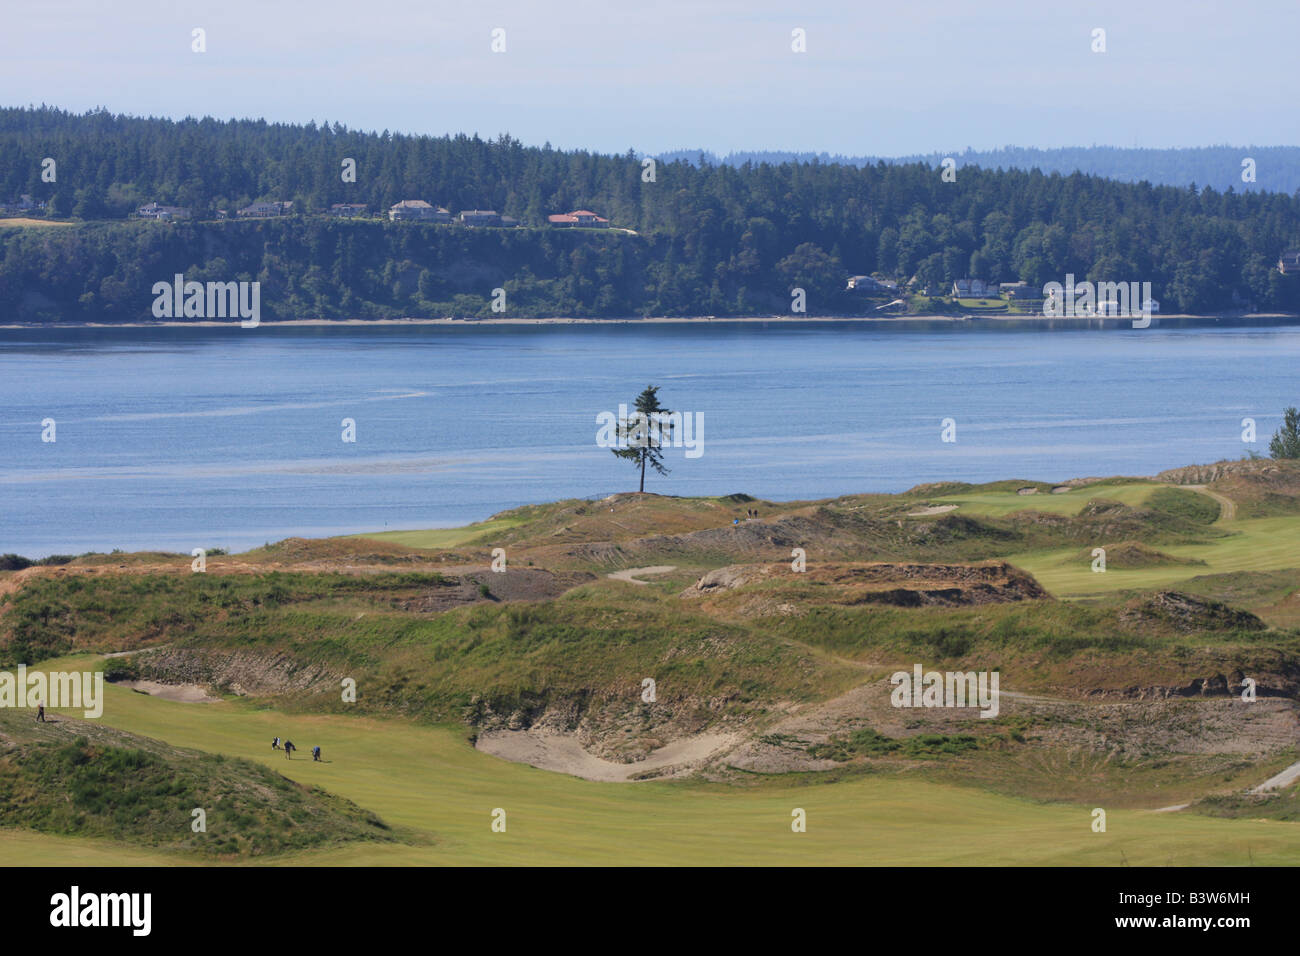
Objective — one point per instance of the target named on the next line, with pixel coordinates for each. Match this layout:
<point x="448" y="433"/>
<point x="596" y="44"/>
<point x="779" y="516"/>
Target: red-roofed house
<point x="584" y="218"/>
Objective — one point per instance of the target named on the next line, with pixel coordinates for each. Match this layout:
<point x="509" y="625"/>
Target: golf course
<point x="500" y="717"/>
<point x="429" y="780"/>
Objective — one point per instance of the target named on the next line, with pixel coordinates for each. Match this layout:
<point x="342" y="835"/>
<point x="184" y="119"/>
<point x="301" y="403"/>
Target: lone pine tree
<point x="643" y="433"/>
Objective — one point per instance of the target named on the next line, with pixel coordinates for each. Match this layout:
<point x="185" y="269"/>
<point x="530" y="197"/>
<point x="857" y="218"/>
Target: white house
<point x="417" y="210"/>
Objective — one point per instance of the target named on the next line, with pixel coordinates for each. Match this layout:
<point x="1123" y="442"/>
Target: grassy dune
<point x="77" y="777"/>
<point x="621" y="518"/>
<point x="430" y="780"/>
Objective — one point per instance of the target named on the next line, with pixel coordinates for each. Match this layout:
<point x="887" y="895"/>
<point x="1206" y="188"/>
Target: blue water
<point x="178" y="438"/>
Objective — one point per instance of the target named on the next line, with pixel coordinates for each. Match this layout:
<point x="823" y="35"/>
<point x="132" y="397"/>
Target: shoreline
<point x="986" y="320"/>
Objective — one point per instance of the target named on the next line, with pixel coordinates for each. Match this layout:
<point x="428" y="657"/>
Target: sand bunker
<point x="563" y="754"/>
<point x="182" y="693"/>
<point x="631" y="574"/>
<point x="931" y="510"/>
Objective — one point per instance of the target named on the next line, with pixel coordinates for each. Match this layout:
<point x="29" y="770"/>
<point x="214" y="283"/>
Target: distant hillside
<point x="1277" y="168"/>
<point x="676" y="239"/>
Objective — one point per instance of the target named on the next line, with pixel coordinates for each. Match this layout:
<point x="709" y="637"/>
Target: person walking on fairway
<point x="315" y="752"/>
<point x="40" y="712"/>
<point x="289" y="748"/>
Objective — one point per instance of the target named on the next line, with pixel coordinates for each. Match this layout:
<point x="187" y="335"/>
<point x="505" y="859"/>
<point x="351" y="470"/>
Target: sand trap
<point x="182" y="693"/>
<point x="139" y="650"/>
<point x="631" y="574"/>
<point x="932" y="510"/>
<point x="563" y="754"/>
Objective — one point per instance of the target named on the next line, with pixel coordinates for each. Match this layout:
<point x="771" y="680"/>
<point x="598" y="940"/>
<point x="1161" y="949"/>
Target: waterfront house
<point x="872" y="286"/>
<point x="162" y="213"/>
<point x="974" y="289"/>
<point x="1288" y="263"/>
<point x="579" y="218"/>
<point x="262" y="210"/>
<point x="1021" y="292"/>
<point x="480" y="217"/>
<point x="348" y="210"/>
<point x="417" y="210"/>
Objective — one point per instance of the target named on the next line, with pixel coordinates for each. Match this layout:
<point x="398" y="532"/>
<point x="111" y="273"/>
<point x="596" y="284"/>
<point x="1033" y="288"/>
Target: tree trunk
<point x="643" y="458"/>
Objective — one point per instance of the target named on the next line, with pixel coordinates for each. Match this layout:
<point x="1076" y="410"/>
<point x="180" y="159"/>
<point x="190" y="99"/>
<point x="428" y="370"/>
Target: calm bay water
<point x="176" y="438"/>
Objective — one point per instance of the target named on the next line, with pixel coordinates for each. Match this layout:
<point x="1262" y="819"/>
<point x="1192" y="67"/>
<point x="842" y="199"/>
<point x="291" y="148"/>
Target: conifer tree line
<point x="709" y="239"/>
<point x="1276" y="168"/>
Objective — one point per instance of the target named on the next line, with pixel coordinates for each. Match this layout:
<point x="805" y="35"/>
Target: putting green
<point x="430" y="780"/>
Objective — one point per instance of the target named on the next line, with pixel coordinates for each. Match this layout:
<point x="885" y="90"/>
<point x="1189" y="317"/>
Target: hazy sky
<point x="878" y="78"/>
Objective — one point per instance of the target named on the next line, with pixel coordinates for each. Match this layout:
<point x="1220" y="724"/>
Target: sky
<point x="876" y="78"/>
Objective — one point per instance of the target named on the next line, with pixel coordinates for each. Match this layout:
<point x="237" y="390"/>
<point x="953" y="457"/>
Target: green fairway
<point x="996" y="504"/>
<point x="1257" y="544"/>
<point x="444" y="537"/>
<point x="430" y="780"/>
